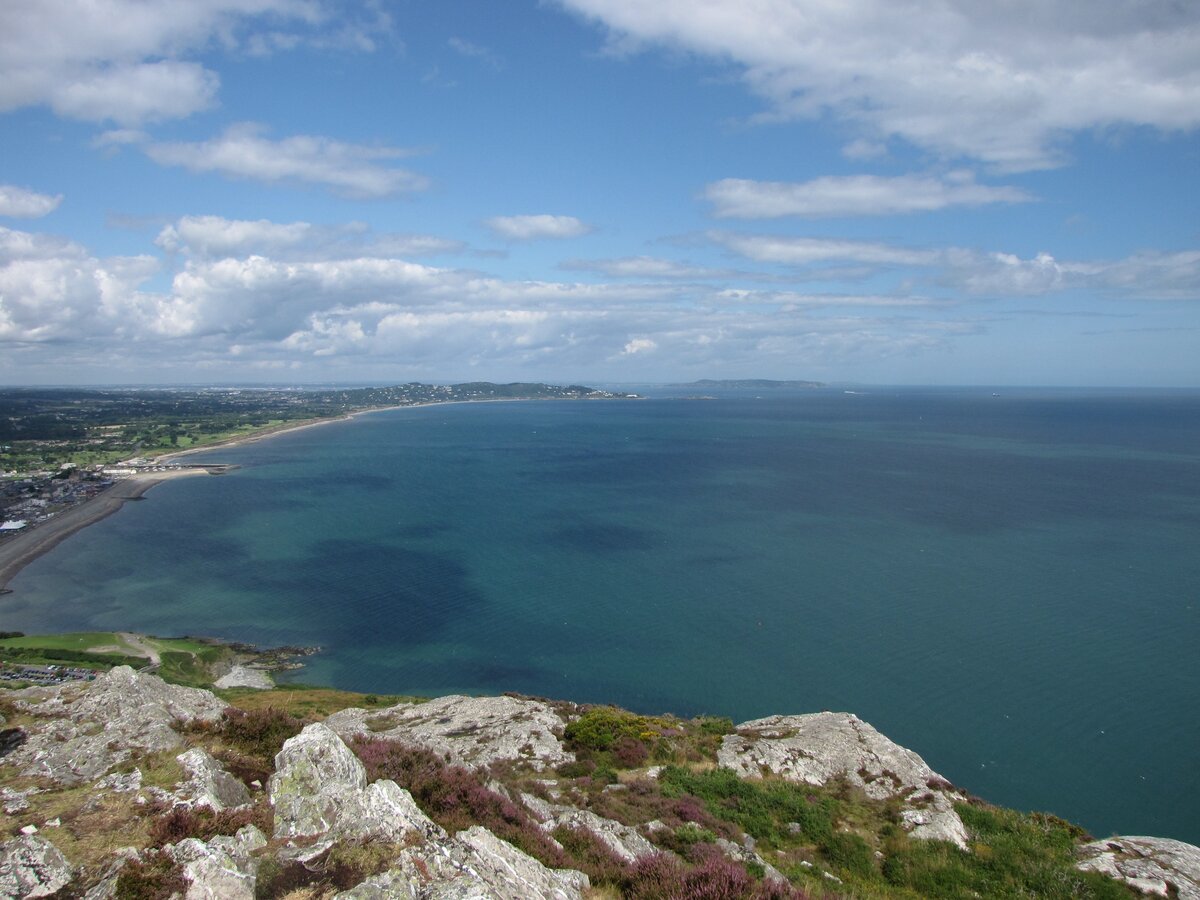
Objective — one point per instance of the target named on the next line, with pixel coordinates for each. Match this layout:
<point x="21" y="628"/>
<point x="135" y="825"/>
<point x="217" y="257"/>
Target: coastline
<point x="23" y="549"/>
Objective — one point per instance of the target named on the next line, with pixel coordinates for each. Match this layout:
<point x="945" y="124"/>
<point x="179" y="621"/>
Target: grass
<point x="83" y="640"/>
<point x="311" y="702"/>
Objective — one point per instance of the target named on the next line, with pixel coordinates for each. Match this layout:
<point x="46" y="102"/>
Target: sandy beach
<point x="19" y="551"/>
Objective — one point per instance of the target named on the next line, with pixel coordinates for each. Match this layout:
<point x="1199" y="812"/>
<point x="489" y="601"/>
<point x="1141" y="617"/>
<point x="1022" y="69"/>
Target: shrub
<point x="259" y="732"/>
<point x="184" y="822"/>
<point x="155" y="878"/>
<point x="601" y="727"/>
<point x="760" y="808"/>
<point x="454" y="797"/>
<point x="849" y="852"/>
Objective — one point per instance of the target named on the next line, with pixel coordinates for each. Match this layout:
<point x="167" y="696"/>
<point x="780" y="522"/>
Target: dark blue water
<point x="1010" y="585"/>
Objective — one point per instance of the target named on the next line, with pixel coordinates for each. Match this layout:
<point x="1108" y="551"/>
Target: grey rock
<point x="624" y="841"/>
<point x="742" y="854"/>
<point x="320" y="788"/>
<point x="473" y="864"/>
<point x="13" y="801"/>
<point x="31" y="866"/>
<point x="91" y="730"/>
<point x="474" y="731"/>
<point x="245" y="677"/>
<point x="208" y="784"/>
<point x="819" y="747"/>
<point x="221" y="869"/>
<point x="106" y="887"/>
<point x="542" y="810"/>
<point x="1152" y="865"/>
<point x="121" y="783"/>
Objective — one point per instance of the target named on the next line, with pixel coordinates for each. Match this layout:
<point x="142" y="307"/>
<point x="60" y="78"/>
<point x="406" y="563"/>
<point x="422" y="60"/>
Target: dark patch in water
<point x="601" y="538"/>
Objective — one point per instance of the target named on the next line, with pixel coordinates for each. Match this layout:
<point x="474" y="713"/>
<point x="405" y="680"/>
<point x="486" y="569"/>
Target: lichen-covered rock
<point x="31" y="866"/>
<point x="89" y="731"/>
<point x="475" y="731"/>
<point x="221" y="869"/>
<point x="320" y="788"/>
<point x="208" y="784"/>
<point x="1152" y="865"/>
<point x="741" y="854"/>
<point x="623" y="840"/>
<point x="474" y="865"/>
<point x="819" y="747"/>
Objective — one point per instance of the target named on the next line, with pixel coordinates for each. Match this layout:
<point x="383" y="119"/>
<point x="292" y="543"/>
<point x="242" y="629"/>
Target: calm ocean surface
<point x="1009" y="585"/>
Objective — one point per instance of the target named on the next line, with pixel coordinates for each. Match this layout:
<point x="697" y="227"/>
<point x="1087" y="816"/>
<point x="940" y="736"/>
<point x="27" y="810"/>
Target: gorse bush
<point x="603" y="727"/>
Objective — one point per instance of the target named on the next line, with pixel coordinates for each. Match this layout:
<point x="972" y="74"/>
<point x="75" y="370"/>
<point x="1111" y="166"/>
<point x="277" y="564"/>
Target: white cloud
<point x="124" y="60"/>
<point x="853" y="195"/>
<point x="526" y="228"/>
<point x="641" y="267"/>
<point x="474" y="51"/>
<point x="1003" y="83"/>
<point x="22" y="203"/>
<point x="801" y="251"/>
<point x="639" y="345"/>
<point x="210" y="237"/>
<point x="243" y="152"/>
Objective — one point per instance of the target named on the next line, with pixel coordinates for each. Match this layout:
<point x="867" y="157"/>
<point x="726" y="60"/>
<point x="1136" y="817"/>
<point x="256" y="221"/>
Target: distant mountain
<point x="756" y="384"/>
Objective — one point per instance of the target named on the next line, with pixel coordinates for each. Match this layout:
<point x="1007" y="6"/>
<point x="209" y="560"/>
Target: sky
<point x="600" y="191"/>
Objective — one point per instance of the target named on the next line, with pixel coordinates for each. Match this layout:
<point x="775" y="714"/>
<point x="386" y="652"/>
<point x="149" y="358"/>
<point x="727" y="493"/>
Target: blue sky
<point x="599" y="190"/>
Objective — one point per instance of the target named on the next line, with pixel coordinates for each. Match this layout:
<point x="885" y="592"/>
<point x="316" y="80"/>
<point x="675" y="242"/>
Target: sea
<point x="1005" y="580"/>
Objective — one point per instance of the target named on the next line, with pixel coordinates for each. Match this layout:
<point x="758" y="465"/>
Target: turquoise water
<point x="1009" y="585"/>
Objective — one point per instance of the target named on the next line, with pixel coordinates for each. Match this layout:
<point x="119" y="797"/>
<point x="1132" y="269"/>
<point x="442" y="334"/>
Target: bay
<point x="1008" y="584"/>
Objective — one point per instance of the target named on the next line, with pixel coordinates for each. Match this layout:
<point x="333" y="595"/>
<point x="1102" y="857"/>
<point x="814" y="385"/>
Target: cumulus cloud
<point x="527" y="228"/>
<point x="22" y="203"/>
<point x="1003" y="83"/>
<point x="853" y="195"/>
<point x="243" y="151"/>
<point x="124" y="60"/>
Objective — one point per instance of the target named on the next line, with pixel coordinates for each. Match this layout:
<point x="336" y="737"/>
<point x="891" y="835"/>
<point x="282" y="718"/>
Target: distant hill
<point x="756" y="384"/>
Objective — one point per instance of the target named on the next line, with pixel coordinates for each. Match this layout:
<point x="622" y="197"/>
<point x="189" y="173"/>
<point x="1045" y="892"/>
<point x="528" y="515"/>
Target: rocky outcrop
<point x="320" y="789"/>
<point x="817" y="748"/>
<point x="624" y="841"/>
<point x="1152" y="865"/>
<point x="474" y="731"/>
<point x="222" y="868"/>
<point x="89" y="732"/>
<point x="245" y="677"/>
<point x="208" y="784"/>
<point x="31" y="866"/>
<point x="473" y="865"/>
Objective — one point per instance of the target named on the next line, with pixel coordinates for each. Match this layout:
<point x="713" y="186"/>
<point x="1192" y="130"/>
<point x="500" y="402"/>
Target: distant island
<point x="752" y="384"/>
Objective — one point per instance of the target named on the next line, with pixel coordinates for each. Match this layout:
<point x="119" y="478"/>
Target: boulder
<point x="1152" y="865"/>
<point x="31" y="866"/>
<point x="623" y="840"/>
<point x="89" y="731"/>
<point x="473" y="865"/>
<point x="320" y="789"/>
<point x="221" y="869"/>
<point x="208" y="784"/>
<point x="474" y="731"/>
<point x="819" y="747"/>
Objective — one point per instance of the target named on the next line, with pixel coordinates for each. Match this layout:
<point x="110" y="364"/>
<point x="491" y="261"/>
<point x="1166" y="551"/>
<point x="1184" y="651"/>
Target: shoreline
<point x="22" y="549"/>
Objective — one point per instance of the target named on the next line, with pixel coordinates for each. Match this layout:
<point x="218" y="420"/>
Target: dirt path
<point x="141" y="646"/>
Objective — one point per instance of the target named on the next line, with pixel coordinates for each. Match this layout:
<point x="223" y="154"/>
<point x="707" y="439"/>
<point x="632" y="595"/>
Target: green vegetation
<point x="41" y="428"/>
